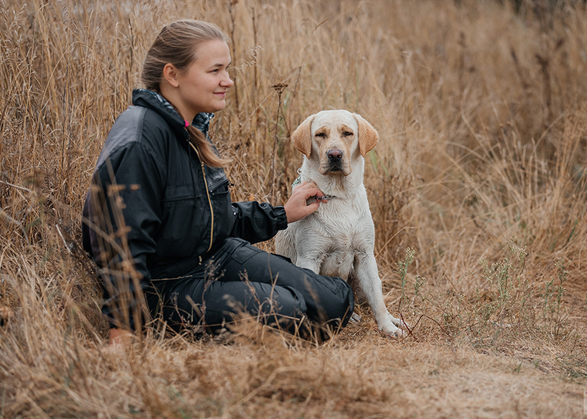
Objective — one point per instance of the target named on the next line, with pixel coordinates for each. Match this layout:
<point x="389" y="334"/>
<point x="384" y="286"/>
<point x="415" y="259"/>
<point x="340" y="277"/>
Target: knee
<point x="342" y="307"/>
<point x="284" y="302"/>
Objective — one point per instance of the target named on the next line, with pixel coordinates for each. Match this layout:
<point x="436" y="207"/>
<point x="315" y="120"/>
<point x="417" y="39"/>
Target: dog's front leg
<point x="308" y="263"/>
<point x="368" y="276"/>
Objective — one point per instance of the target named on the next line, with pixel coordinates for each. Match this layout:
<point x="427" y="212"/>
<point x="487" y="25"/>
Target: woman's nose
<point x="227" y="82"/>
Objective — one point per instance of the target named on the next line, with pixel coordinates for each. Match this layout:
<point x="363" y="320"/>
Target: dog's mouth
<point x="335" y="169"/>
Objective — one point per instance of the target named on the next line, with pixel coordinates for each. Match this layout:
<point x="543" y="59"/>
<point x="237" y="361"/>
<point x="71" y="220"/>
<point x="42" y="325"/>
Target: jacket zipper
<point x="209" y="200"/>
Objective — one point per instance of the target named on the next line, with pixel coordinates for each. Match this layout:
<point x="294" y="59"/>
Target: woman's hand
<point x="120" y="336"/>
<point x="296" y="207"/>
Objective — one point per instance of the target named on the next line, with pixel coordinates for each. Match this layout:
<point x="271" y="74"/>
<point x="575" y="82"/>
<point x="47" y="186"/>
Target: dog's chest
<point x="340" y="220"/>
<point x="344" y="231"/>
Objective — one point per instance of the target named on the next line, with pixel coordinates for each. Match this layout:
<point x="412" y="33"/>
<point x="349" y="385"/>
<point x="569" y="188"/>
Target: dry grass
<point x="477" y="189"/>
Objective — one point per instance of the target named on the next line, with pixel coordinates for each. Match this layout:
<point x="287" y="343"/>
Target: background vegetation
<point x="477" y="189"/>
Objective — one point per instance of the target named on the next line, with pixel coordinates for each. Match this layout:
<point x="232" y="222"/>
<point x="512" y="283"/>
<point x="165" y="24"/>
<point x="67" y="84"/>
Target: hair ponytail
<point x="206" y="151"/>
<point x="175" y="45"/>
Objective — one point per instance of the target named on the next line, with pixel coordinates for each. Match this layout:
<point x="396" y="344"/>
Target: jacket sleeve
<point x="256" y="222"/>
<point x="125" y="213"/>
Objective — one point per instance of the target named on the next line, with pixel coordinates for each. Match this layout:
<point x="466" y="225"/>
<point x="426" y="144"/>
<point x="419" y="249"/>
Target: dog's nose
<point x="334" y="155"/>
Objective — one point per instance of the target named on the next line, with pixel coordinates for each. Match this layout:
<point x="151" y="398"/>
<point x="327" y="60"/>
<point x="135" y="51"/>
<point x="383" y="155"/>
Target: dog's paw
<point x="397" y="334"/>
<point x="387" y="326"/>
<point x="398" y="322"/>
<point x="390" y="330"/>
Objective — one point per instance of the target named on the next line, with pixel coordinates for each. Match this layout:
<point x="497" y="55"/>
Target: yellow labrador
<point x="338" y="239"/>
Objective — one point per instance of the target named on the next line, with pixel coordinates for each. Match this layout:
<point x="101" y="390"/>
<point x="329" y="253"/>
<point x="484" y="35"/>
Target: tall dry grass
<point x="477" y="189"/>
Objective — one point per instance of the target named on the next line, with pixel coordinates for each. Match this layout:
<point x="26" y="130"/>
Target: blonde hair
<point x="176" y="44"/>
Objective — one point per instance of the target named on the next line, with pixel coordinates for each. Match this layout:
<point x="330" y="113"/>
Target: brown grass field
<point x="478" y="190"/>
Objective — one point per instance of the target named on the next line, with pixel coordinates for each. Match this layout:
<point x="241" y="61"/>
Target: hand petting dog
<point x="297" y="207"/>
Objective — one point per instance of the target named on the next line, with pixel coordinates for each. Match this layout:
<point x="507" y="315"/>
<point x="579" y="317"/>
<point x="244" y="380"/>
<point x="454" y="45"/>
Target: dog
<point x="339" y="238"/>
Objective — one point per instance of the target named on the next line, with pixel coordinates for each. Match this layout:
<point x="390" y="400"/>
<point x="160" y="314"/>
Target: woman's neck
<point x="171" y="94"/>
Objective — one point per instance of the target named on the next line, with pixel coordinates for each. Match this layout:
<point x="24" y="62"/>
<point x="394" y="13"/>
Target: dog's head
<point x="334" y="138"/>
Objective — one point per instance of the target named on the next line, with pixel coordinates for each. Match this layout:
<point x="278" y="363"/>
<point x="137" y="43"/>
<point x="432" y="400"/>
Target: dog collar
<point x="324" y="198"/>
<point x="315" y="197"/>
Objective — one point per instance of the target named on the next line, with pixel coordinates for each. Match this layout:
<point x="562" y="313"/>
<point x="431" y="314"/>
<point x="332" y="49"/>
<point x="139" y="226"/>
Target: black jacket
<point x="166" y="220"/>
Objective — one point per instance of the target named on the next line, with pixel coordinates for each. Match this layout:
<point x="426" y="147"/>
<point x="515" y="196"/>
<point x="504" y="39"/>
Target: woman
<point x="159" y="221"/>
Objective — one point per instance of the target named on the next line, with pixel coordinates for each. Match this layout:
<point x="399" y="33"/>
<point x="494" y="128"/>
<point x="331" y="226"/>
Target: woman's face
<point x="203" y="86"/>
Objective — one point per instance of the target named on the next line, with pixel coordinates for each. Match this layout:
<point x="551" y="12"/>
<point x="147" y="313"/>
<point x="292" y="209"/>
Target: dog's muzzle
<point x="334" y="159"/>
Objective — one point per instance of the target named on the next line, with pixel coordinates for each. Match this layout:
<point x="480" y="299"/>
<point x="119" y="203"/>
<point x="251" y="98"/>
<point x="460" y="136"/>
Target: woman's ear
<point x="170" y="74"/>
<point x="302" y="137"/>
<point x="368" y="136"/>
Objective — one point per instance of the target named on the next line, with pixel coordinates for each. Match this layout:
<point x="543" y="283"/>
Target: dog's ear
<point x="302" y="136"/>
<point x="368" y="136"/>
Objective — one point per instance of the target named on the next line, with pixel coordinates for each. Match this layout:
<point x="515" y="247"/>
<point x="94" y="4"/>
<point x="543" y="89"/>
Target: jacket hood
<point x="153" y="100"/>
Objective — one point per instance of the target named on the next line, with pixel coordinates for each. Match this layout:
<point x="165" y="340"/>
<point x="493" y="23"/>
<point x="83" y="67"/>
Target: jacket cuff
<point x="281" y="217"/>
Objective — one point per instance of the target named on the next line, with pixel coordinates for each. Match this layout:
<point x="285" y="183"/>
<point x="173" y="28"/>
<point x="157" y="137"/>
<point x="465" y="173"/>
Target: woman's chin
<point x="214" y="108"/>
<point x="220" y="106"/>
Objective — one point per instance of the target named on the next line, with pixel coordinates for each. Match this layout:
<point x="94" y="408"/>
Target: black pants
<point x="240" y="278"/>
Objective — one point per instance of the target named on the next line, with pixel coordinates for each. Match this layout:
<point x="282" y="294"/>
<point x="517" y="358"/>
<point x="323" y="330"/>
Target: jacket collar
<point x="202" y="122"/>
<point x="153" y="100"/>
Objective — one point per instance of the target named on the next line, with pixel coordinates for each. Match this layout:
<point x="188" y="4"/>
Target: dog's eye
<point x="347" y="134"/>
<point x="320" y="135"/>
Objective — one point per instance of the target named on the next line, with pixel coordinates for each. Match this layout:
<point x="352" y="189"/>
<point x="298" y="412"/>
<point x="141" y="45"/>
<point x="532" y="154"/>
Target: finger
<point x="310" y="187"/>
<point x="314" y="192"/>
<point x="312" y="207"/>
<point x="311" y="190"/>
<point x="306" y="193"/>
<point x="307" y="186"/>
